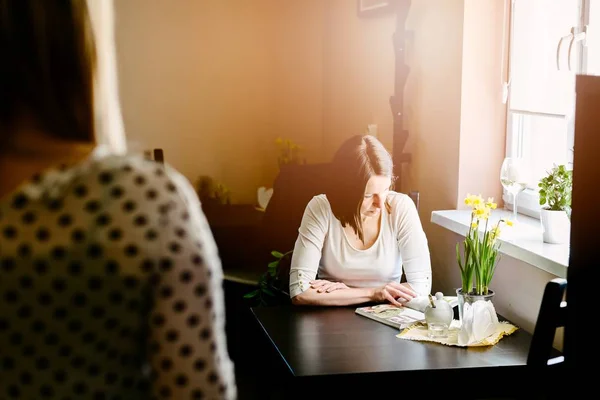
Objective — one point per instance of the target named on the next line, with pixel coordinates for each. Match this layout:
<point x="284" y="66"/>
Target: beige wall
<point x="195" y="79"/>
<point x="215" y="83"/>
<point x="432" y="108"/>
<point x="483" y="115"/>
<point x="298" y="79"/>
<point x="360" y="65"/>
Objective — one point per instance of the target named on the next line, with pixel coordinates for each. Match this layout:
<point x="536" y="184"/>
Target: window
<point x="550" y="42"/>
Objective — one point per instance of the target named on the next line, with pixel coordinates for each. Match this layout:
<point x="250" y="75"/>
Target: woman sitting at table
<point x="356" y="239"/>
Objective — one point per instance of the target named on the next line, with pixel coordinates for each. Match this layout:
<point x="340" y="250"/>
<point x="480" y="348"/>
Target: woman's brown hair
<point x="356" y="161"/>
<point x="47" y="69"/>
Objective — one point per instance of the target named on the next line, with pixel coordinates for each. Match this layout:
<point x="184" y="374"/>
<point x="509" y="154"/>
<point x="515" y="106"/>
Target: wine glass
<point x="514" y="177"/>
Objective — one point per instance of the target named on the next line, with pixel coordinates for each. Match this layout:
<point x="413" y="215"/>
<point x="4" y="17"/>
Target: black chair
<point x="155" y="155"/>
<point x="414" y="195"/>
<point x="552" y="315"/>
<point x="159" y="156"/>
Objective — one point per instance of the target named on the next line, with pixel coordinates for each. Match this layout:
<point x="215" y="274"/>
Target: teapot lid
<point x="440" y="302"/>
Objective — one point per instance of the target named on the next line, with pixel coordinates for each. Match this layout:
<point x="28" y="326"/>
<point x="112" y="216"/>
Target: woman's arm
<point x="341" y="297"/>
<point x="394" y="293"/>
<point x="413" y="245"/>
<point x="307" y="249"/>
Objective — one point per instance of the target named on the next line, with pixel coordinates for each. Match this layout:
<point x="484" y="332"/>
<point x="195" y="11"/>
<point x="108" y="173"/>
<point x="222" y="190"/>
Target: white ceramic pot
<point x="556" y="226"/>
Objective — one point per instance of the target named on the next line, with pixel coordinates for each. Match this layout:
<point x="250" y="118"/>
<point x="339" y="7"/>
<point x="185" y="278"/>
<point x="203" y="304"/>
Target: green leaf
<point x="251" y="294"/>
<point x="276" y="254"/>
<point x="555" y="188"/>
<point x="273" y="264"/>
<point x="268" y="291"/>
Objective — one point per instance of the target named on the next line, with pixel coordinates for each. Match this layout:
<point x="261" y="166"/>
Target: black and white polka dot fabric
<point x="110" y="287"/>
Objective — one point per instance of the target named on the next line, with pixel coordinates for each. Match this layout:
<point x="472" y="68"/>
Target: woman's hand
<point x="395" y="293"/>
<point x="323" y="286"/>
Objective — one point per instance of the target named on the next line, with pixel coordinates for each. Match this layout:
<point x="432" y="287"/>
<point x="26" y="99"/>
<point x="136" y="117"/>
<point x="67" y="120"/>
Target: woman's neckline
<point x="382" y="220"/>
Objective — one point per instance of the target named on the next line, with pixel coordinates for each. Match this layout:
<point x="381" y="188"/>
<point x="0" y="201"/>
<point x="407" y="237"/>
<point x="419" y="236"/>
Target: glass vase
<point x="470" y="299"/>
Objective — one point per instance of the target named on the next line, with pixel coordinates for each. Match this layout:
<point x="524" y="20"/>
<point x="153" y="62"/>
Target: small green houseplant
<point x="555" y="189"/>
<point x="271" y="284"/>
<point x="555" y="198"/>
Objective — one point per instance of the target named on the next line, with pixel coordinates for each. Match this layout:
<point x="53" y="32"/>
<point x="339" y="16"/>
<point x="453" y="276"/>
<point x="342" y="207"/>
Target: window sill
<point x="523" y="241"/>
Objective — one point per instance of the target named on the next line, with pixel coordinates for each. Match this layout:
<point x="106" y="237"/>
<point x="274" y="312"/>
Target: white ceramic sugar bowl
<point x="438" y="315"/>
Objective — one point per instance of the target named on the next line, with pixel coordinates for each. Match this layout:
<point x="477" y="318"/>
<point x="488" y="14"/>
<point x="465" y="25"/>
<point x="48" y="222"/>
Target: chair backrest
<point x="155" y="155"/>
<point x="293" y="188"/>
<point x="552" y="315"/>
<point x="415" y="196"/>
<point x="159" y="156"/>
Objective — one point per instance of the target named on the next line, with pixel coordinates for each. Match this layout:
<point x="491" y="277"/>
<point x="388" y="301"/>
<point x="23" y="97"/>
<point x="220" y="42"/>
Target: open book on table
<point x="401" y="317"/>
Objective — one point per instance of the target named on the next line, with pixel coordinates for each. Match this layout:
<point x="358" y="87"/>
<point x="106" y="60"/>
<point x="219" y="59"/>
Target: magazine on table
<point x="401" y="317"/>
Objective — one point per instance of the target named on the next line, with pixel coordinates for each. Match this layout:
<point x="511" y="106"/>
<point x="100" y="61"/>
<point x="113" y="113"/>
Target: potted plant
<point x="480" y="253"/>
<point x="555" y="199"/>
<point x="288" y="152"/>
<point x="272" y="285"/>
<point x="212" y="193"/>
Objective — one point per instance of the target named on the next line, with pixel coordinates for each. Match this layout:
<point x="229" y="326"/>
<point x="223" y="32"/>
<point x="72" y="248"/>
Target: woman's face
<point x="376" y="193"/>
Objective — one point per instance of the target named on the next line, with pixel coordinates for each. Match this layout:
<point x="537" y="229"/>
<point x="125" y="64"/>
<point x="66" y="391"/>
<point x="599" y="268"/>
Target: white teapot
<point x="438" y="314"/>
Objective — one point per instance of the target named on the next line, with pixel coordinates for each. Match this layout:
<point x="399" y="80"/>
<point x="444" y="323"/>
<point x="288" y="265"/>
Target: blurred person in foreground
<point x="109" y="276"/>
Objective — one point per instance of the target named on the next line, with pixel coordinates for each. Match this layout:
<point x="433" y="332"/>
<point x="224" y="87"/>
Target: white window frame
<point x="528" y="200"/>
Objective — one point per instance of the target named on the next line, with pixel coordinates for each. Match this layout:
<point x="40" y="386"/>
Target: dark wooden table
<point x="331" y="351"/>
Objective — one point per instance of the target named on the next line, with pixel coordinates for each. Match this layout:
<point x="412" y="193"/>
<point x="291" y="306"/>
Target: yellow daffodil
<point x="490" y="203"/>
<point x="482" y="212"/>
<point x="495" y="232"/>
<point x="473" y="200"/>
<point x="477" y="265"/>
<point x="469" y="200"/>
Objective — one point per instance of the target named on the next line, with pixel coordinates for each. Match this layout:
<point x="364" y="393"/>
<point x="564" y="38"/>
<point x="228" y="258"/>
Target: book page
<point x="396" y="316"/>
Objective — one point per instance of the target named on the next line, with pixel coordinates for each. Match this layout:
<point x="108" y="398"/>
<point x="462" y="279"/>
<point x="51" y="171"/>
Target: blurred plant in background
<point x="288" y="152"/>
<point x="212" y="192"/>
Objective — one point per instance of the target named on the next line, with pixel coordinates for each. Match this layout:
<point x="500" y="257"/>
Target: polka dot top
<point x="110" y="287"/>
